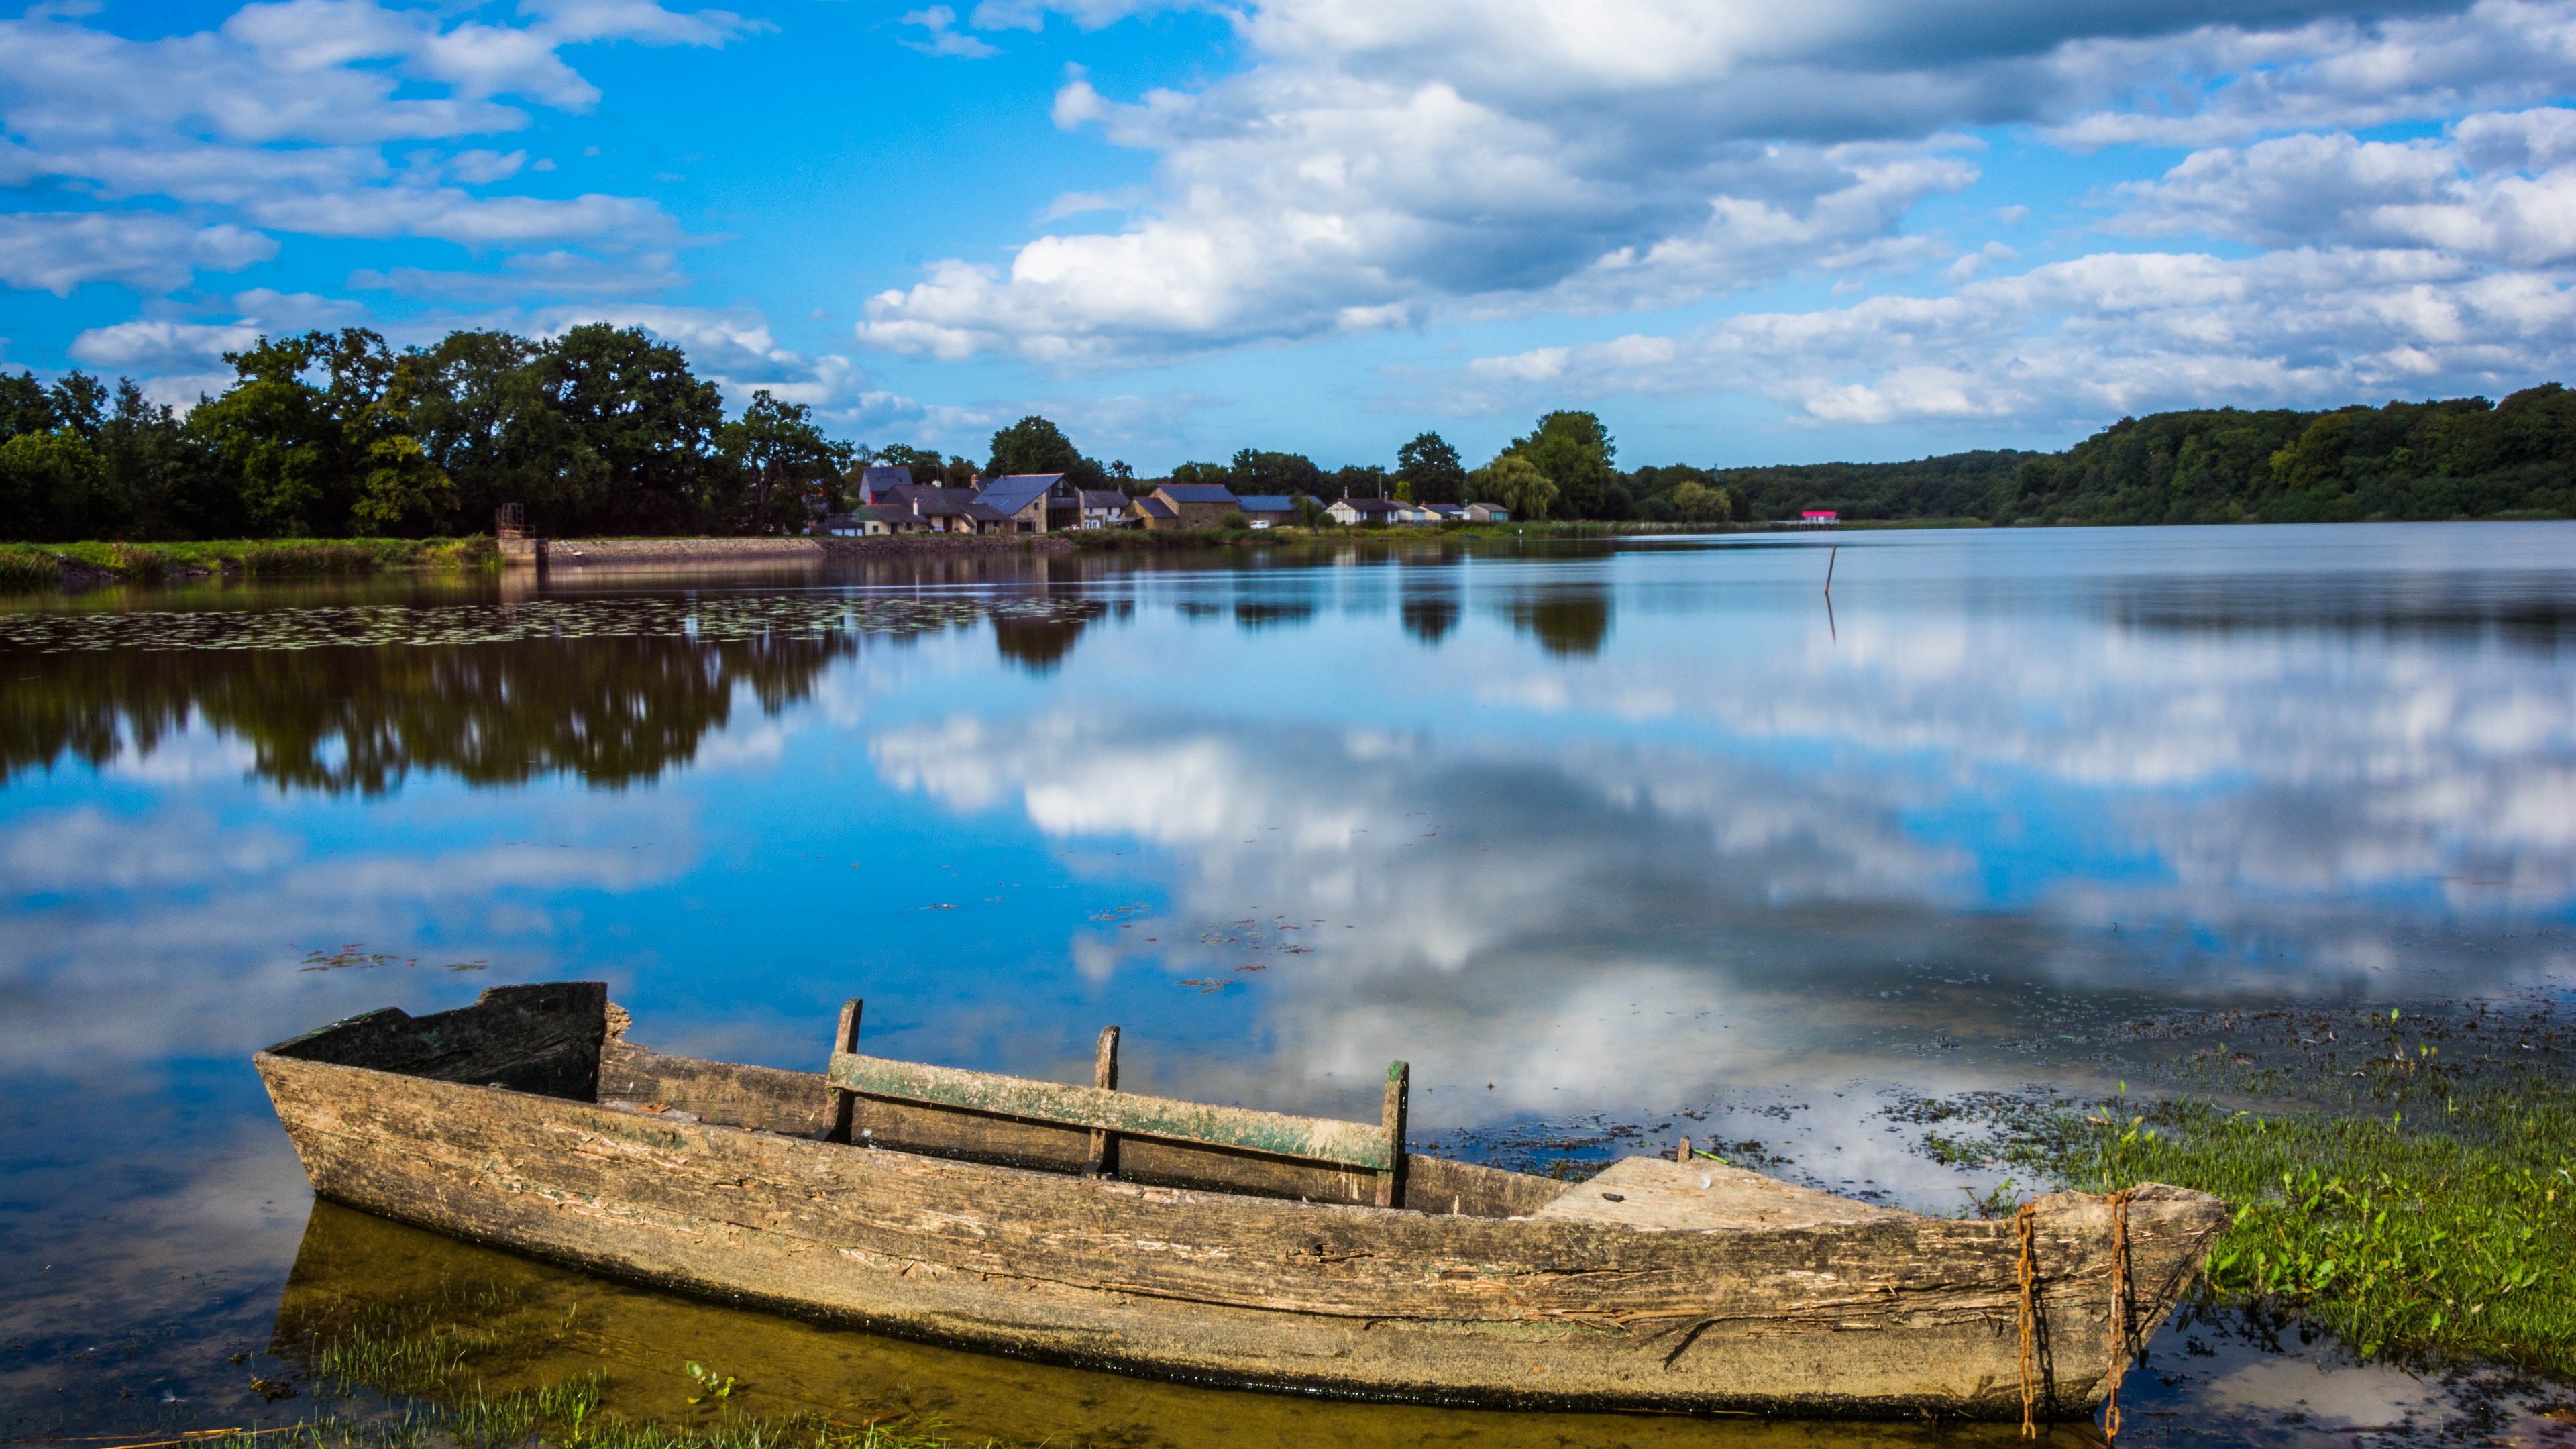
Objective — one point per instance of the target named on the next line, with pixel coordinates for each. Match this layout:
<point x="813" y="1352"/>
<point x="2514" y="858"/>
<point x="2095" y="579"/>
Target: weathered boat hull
<point x="1879" y="1319"/>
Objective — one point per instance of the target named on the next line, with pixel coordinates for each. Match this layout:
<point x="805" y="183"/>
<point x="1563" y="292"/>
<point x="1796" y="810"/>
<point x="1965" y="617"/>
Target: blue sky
<point x="1743" y="233"/>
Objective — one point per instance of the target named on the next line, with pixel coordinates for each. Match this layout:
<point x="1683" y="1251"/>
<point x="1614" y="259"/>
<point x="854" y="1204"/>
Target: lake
<point x="1612" y="841"/>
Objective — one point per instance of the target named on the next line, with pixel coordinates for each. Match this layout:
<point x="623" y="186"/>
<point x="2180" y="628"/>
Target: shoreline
<point x="90" y="564"/>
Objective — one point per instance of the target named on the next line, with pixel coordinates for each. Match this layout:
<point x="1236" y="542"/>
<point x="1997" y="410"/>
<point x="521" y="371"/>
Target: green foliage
<point x="2461" y="458"/>
<point x="1574" y="451"/>
<point x="1358" y="481"/>
<point x="790" y="470"/>
<point x="1694" y="502"/>
<point x="1255" y="471"/>
<point x="1958" y="485"/>
<point x="2442" y="1231"/>
<point x="1516" y="483"/>
<point x="1034" y="445"/>
<point x="1432" y="469"/>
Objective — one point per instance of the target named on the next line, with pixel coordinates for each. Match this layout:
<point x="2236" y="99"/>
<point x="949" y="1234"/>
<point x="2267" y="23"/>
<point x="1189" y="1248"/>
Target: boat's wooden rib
<point x="989" y="1235"/>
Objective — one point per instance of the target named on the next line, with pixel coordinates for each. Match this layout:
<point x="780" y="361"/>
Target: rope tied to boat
<point x="2121" y="1312"/>
<point x="2025" y="1227"/>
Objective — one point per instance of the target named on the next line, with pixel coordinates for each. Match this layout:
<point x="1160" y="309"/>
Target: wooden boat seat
<point x="1654" y="1195"/>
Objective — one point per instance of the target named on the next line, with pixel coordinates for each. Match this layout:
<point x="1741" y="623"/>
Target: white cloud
<point x="2471" y="195"/>
<point x="1387" y="166"/>
<point x="148" y="251"/>
<point x="280" y="113"/>
<point x="2095" y="337"/>
<point x="939" y="39"/>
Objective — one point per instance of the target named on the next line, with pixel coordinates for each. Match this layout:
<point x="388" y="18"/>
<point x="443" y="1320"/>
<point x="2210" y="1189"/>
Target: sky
<point x="1750" y="232"/>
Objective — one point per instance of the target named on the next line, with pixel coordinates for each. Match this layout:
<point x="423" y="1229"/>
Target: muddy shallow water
<point x="1610" y="843"/>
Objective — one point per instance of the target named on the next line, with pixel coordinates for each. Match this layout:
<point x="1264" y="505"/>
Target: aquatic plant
<point x="2442" y="1232"/>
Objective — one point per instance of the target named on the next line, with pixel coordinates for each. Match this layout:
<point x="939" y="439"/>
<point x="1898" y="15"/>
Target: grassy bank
<point x="48" y="565"/>
<point x="2426" y="1210"/>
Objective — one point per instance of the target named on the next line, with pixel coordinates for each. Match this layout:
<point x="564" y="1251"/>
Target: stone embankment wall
<point x="557" y="555"/>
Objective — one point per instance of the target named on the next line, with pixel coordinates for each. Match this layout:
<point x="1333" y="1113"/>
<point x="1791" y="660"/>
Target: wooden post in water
<point x="1830" y="555"/>
<point x="844" y="1101"/>
<point x="1104" y="1075"/>
<point x="1399" y="1086"/>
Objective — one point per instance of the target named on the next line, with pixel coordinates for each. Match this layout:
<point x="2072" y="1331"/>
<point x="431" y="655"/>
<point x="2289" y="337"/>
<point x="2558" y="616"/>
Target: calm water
<point x="1595" y="838"/>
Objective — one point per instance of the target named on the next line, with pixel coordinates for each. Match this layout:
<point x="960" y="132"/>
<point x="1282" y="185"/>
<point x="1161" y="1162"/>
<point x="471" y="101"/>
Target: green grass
<point x="2441" y="1227"/>
<point x="41" y="565"/>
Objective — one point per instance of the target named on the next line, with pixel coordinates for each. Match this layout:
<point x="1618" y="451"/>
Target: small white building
<point x="1488" y="513"/>
<point x="1350" y="511"/>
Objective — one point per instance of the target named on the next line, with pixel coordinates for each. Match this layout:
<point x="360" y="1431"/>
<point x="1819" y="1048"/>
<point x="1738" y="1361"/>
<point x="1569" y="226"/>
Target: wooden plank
<point x="1104" y="1075"/>
<point x="801" y="1104"/>
<point x="1399" y="1089"/>
<point x="1315" y="1139"/>
<point x="845" y="1038"/>
<point x="1855" y="1319"/>
<point x="1249" y="1252"/>
<point x="1652" y="1195"/>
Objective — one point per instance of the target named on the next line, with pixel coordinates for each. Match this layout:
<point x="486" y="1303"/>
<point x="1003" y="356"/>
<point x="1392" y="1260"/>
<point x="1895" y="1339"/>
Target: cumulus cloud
<point x="1388" y="166"/>
<point x="150" y="251"/>
<point x="281" y="113"/>
<point x="2499" y="189"/>
<point x="2095" y="337"/>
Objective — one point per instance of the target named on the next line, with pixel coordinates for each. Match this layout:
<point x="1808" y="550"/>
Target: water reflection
<point x="612" y="712"/>
<point x="1566" y="619"/>
<point x="1640" y="832"/>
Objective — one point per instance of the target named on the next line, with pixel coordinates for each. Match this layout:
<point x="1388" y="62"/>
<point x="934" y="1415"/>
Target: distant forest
<point x="2464" y="458"/>
<point x="605" y="430"/>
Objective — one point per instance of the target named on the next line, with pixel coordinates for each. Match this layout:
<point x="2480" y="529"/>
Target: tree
<point x="1358" y="480"/>
<point x="480" y="413"/>
<point x="1696" y="502"/>
<point x="784" y="463"/>
<point x="1216" y="473"/>
<point x="53" y="487"/>
<point x="276" y="445"/>
<point x="1255" y="471"/>
<point x="1433" y="470"/>
<point x="1574" y="451"/>
<point x="637" y="425"/>
<point x="1517" y="484"/>
<point x="1034" y="445"/>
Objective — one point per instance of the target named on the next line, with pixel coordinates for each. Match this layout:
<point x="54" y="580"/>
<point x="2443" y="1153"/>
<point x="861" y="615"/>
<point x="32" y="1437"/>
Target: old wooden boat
<point x="1214" y="1244"/>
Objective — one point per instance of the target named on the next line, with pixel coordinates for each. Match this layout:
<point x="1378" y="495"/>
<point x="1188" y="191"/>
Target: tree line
<point x="604" y="430"/>
<point x="334" y="434"/>
<point x="2457" y="458"/>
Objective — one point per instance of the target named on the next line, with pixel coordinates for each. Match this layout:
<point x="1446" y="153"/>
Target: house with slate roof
<point x="877" y="485"/>
<point x="932" y="510"/>
<point x="1199" y="505"/>
<point x="1349" y="511"/>
<point x="1027" y="503"/>
<point x="1104" y="508"/>
<point x="1153" y="512"/>
<point x="1269" y="510"/>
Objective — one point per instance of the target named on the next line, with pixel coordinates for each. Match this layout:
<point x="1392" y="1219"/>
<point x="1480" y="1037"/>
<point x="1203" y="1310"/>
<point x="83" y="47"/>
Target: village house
<point x="1269" y="510"/>
<point x="932" y="510"/>
<point x="1153" y="512"/>
<point x="1104" y="508"/>
<point x="877" y="485"/>
<point x="1350" y="511"/>
<point x="1027" y="503"/>
<point x="1488" y="513"/>
<point x="1445" y="512"/>
<point x="857" y="523"/>
<point x="1198" y="505"/>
